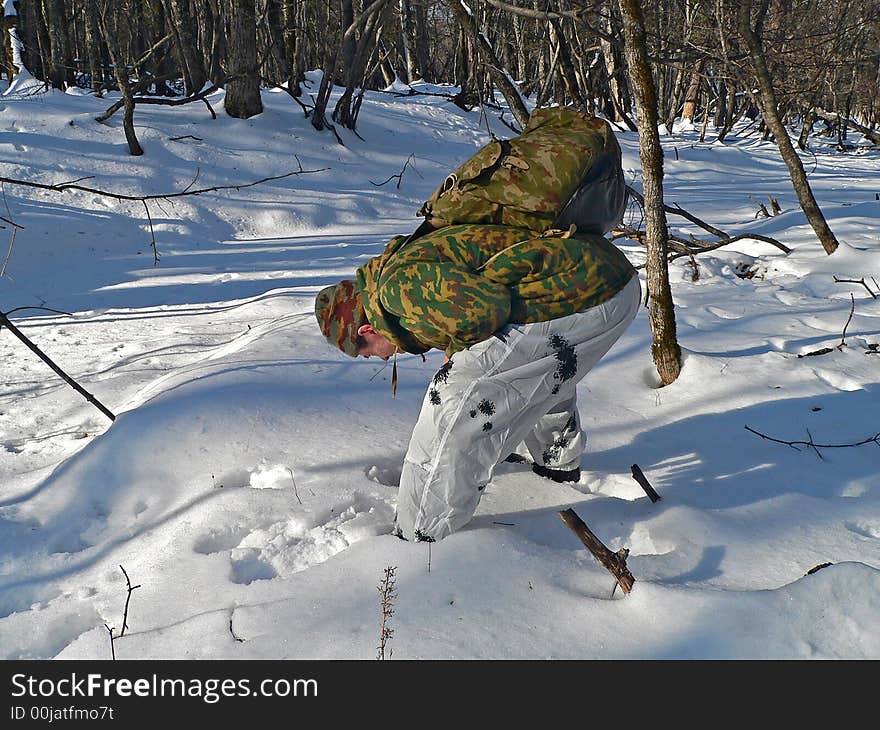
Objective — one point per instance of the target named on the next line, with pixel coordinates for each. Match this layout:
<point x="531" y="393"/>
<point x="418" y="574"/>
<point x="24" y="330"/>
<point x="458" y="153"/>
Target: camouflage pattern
<point x="456" y="286"/>
<point x="340" y="312"/>
<point x="528" y="186"/>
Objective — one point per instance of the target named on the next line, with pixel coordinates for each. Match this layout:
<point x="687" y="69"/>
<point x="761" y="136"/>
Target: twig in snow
<point x="127" y="599"/>
<point x="842" y="344"/>
<point x="858" y="281"/>
<point x="111" y="631"/>
<point x="44" y="309"/>
<point x="112" y="645"/>
<point x="817" y="568"/>
<point x="5" y="322"/>
<point x="640" y="477"/>
<point x="231" y="614"/>
<point x="399" y="175"/>
<point x="852" y="310"/>
<point x="875" y="439"/>
<point x="62" y="187"/>
<point x="11" y="223"/>
<point x="294" y="484"/>
<point x="614" y="563"/>
<point x="152" y="234"/>
<point x="692" y="245"/>
<point x="386" y="589"/>
<point x="15" y="229"/>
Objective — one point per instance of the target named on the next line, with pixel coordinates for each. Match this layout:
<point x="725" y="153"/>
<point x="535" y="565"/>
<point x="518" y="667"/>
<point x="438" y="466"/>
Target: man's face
<point x="375" y="345"/>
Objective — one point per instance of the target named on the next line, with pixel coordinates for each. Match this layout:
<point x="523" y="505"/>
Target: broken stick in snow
<point x="614" y="563"/>
<point x="640" y="477"/>
<point x="4" y="322"/>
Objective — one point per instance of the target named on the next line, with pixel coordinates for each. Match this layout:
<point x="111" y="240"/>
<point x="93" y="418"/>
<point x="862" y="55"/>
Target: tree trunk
<point x="693" y="93"/>
<point x="115" y="32"/>
<point x="192" y="66"/>
<point x="242" y="99"/>
<point x="59" y="75"/>
<point x="345" y="111"/>
<point x="422" y="45"/>
<point x="294" y="40"/>
<point x="406" y="41"/>
<point x="93" y="45"/>
<point x="767" y="98"/>
<point x="661" y="310"/>
<point x="500" y="76"/>
<point x="10" y="68"/>
<point x="619" y="100"/>
<point x="566" y="65"/>
<point x="275" y="29"/>
<point x="349" y="40"/>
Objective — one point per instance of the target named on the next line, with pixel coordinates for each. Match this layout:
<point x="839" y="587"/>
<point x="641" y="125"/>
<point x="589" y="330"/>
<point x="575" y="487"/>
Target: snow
<point x="247" y="484"/>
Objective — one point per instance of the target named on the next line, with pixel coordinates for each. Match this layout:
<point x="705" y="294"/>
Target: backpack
<point x="563" y="169"/>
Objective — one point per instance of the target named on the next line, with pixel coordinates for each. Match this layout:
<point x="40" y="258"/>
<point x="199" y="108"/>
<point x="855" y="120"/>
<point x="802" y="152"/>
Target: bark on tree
<point x="406" y="41"/>
<point x="61" y="64"/>
<point x="9" y="66"/>
<point x="500" y="77"/>
<point x="114" y="29"/>
<point x="215" y="11"/>
<point x="294" y="41"/>
<point x="93" y="45"/>
<point x="347" y="107"/>
<point x="767" y="99"/>
<point x="566" y="65"/>
<point x="242" y="99"/>
<point x="420" y="19"/>
<point x="661" y="310"/>
<point x="192" y="66"/>
<point x="692" y="96"/>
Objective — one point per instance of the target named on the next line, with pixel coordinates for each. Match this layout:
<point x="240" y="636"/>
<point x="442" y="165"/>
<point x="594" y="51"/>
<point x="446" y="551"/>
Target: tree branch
<point x="614" y="563"/>
<point x="5" y="322"/>
<point x="875" y="439"/>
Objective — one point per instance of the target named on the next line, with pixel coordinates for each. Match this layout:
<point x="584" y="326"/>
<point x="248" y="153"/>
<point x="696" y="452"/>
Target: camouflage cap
<point x="340" y="312"/>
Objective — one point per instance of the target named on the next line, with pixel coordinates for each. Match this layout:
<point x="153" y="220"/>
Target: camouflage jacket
<point x="455" y="286"/>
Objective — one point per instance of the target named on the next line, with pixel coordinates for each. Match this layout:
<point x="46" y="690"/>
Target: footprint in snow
<point x="303" y="540"/>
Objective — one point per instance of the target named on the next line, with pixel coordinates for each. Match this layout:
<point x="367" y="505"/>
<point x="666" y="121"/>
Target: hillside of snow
<point x="248" y="483"/>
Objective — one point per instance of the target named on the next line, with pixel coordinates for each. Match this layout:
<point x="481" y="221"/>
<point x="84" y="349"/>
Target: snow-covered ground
<point x="247" y="485"/>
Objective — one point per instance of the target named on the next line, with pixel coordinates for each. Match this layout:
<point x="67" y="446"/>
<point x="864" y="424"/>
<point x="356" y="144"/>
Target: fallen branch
<point x="614" y="563"/>
<point x="852" y="310"/>
<point x="62" y="187"/>
<point x="640" y="477"/>
<point x="857" y="281"/>
<point x="875" y="439"/>
<point x="817" y="568"/>
<point x="164" y="101"/>
<point x="232" y="633"/>
<point x="73" y="185"/>
<point x="872" y="135"/>
<point x="127" y="599"/>
<point x="4" y="321"/>
<point x="12" y="223"/>
<point x="114" y="637"/>
<point x="399" y="175"/>
<point x="842" y="344"/>
<point x="692" y="245"/>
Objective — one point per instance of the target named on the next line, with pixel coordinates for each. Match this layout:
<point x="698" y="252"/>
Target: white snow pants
<point x="515" y="390"/>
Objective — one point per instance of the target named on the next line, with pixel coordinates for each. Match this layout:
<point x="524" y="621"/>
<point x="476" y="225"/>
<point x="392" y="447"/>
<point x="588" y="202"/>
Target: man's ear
<point x="366" y="329"/>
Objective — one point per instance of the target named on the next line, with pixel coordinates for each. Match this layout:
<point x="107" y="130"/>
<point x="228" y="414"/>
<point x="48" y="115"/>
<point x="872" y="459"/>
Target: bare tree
<point x="243" y="85"/>
<point x="767" y="98"/>
<point x="661" y="310"/>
